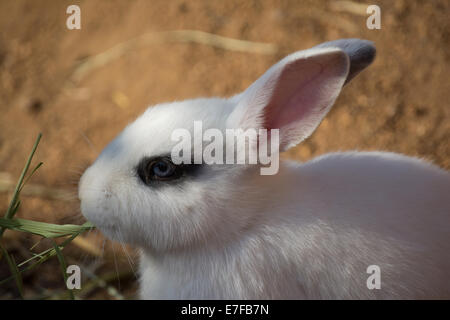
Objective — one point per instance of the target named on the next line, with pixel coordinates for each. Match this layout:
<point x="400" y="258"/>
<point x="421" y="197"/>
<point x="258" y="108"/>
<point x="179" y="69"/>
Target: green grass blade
<point x="12" y="208"/>
<point x="47" y="230"/>
<point x="62" y="263"/>
<point x="14" y="270"/>
<point x="35" y="256"/>
<point x="30" y="175"/>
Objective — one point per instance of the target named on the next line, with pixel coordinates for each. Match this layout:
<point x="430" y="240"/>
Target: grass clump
<point x="67" y="232"/>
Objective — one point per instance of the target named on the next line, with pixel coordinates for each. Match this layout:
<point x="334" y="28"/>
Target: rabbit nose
<point x="90" y="184"/>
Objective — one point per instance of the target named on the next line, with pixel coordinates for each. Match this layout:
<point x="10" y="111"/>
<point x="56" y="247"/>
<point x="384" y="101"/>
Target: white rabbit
<point x="311" y="231"/>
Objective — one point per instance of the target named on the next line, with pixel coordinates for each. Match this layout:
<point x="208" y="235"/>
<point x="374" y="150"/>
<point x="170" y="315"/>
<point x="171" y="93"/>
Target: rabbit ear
<point x="361" y="53"/>
<point x="294" y="95"/>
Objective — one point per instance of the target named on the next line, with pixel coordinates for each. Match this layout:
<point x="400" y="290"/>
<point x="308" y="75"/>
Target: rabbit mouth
<point x="100" y="216"/>
<point x="109" y="230"/>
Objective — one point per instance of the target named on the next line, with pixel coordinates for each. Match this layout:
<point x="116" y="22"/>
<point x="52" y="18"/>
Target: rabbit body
<point x="333" y="217"/>
<point x="314" y="230"/>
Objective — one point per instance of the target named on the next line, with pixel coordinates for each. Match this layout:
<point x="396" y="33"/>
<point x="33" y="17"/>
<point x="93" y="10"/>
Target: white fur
<point x="308" y="232"/>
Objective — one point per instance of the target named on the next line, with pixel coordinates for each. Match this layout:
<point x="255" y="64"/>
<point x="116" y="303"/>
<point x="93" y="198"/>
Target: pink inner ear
<point x="295" y="94"/>
<point x="302" y="93"/>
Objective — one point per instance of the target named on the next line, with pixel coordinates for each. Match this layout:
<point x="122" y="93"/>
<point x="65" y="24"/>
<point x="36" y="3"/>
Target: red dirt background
<point x="400" y="104"/>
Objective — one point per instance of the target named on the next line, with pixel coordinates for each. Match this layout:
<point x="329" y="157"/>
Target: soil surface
<point x="399" y="104"/>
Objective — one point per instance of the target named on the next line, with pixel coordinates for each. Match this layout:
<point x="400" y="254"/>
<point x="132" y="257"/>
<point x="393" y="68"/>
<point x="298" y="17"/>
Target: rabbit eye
<point x="162" y="169"/>
<point x="159" y="169"/>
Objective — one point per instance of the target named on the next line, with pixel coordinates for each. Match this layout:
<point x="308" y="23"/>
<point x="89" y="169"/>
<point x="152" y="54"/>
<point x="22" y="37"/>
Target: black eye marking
<point x="154" y="170"/>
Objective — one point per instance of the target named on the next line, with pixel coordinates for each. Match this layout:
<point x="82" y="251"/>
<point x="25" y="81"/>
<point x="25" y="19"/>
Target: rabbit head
<point x="135" y="193"/>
